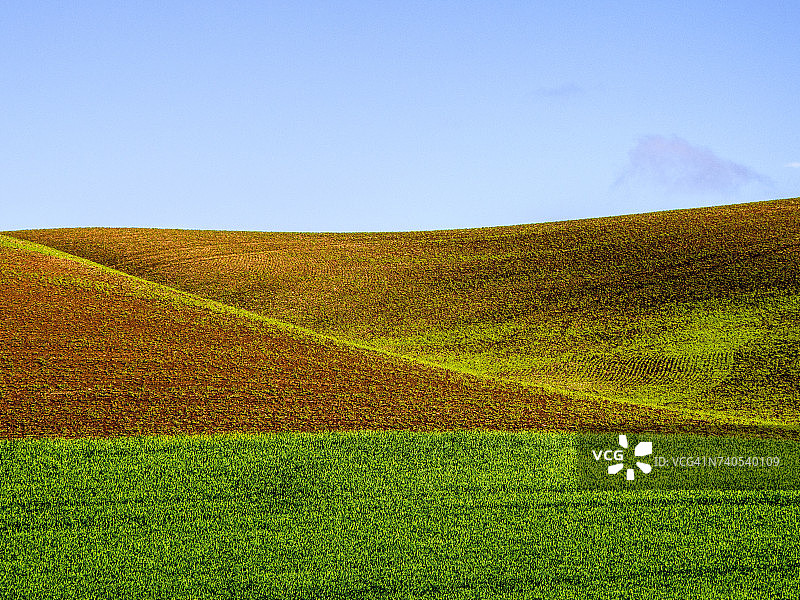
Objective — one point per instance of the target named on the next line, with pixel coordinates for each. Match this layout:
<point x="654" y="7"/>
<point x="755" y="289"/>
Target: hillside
<point x="85" y="351"/>
<point x="695" y="309"/>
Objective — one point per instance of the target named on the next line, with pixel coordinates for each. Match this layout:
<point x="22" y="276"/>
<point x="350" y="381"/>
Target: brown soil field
<point x="694" y="309"/>
<point x="84" y="352"/>
<point x="569" y="274"/>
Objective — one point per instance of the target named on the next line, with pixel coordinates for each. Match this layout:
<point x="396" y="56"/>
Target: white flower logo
<point x="642" y="449"/>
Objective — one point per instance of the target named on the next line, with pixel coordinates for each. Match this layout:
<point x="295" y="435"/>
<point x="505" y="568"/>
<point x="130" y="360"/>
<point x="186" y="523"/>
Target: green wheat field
<point x="373" y="515"/>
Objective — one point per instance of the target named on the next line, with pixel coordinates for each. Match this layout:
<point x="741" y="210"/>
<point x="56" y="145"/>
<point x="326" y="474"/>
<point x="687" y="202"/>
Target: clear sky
<point x="377" y="116"/>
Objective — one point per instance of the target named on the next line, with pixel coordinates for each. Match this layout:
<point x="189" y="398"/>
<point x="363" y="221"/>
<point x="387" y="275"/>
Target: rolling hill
<point x="89" y="352"/>
<point x="693" y="310"/>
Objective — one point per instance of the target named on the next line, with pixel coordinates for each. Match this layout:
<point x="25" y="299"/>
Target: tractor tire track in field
<point x="641" y="370"/>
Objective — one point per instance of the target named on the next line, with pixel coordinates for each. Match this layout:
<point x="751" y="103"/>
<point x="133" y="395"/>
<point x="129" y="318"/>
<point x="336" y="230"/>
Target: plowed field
<point x="85" y="352"/>
<point x="698" y="309"/>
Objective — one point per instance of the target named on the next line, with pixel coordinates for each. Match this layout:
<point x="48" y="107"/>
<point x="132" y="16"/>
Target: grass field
<point x="371" y="515"/>
<point x="206" y="414"/>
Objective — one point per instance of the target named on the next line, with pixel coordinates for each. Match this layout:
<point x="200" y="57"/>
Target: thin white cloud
<point x="794" y="165"/>
<point x="675" y="166"/>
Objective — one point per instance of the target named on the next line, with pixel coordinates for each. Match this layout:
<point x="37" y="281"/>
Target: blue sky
<point x="377" y="116"/>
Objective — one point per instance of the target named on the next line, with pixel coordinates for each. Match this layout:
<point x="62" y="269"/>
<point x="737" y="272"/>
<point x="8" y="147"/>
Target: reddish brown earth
<point x="83" y="354"/>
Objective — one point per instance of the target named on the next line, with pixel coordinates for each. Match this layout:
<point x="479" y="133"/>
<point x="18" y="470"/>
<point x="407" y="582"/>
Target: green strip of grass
<point x="370" y="515"/>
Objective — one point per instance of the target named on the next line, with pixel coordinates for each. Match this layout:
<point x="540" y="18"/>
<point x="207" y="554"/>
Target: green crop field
<point x="214" y="414"/>
<point x="372" y="515"/>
